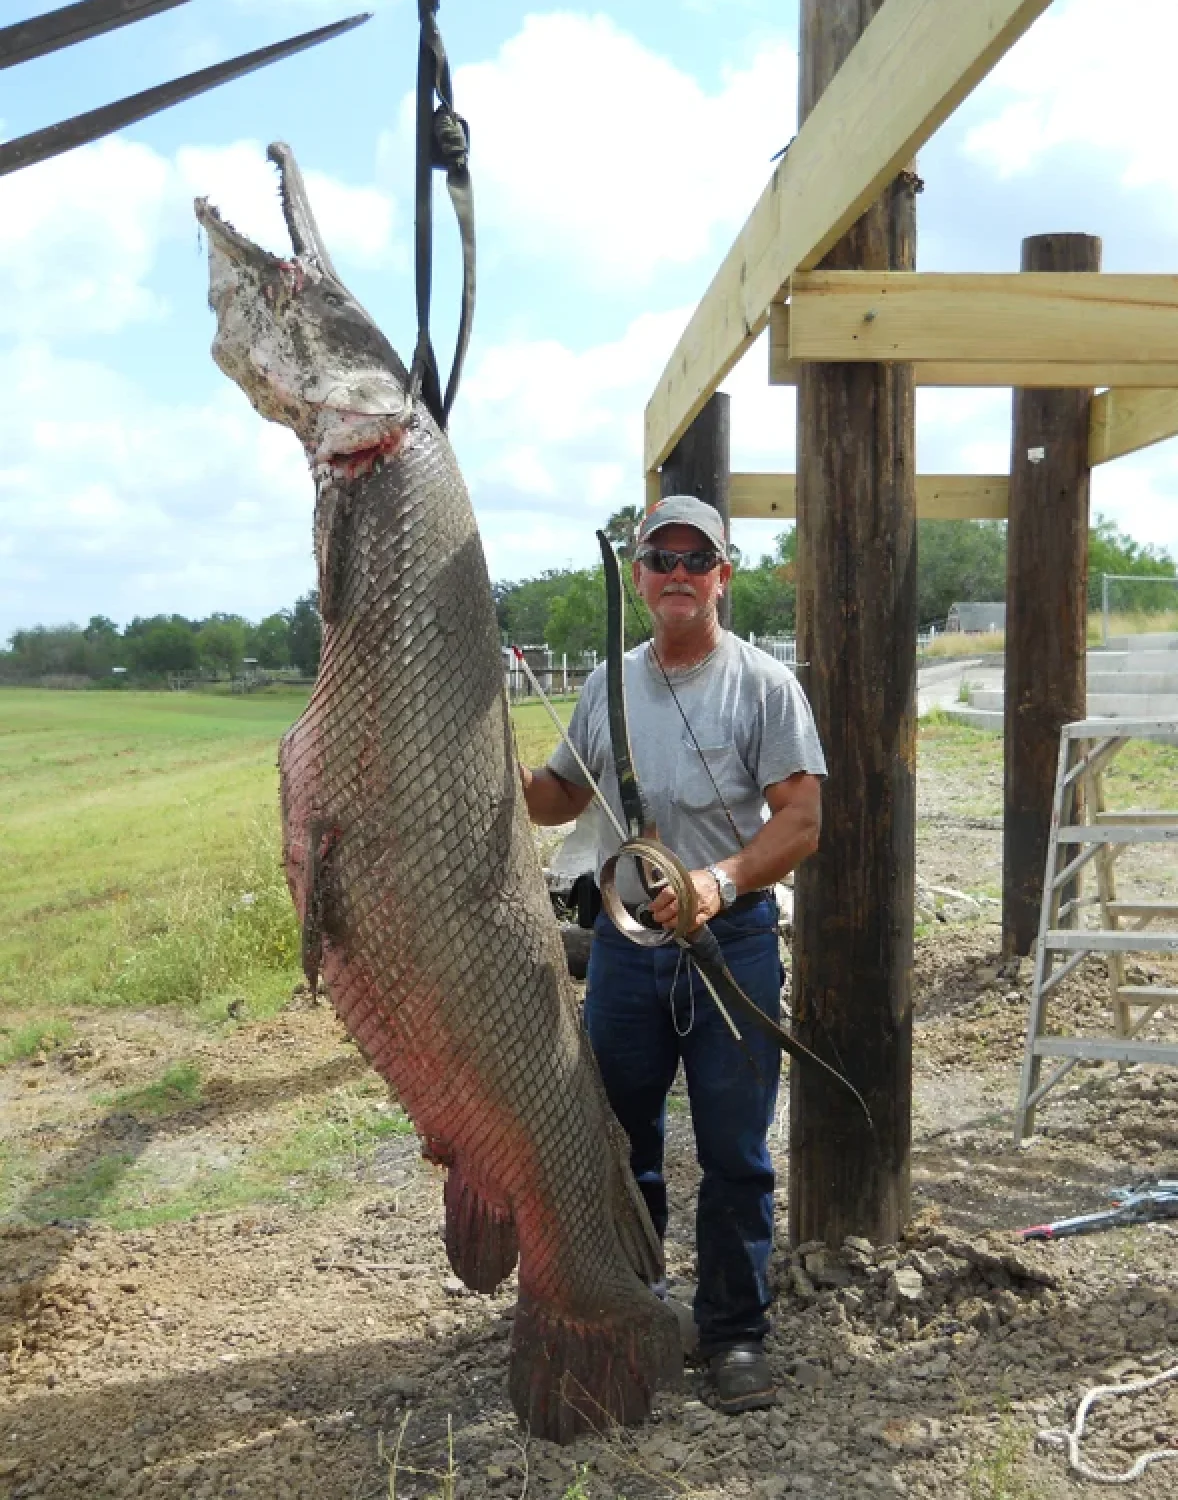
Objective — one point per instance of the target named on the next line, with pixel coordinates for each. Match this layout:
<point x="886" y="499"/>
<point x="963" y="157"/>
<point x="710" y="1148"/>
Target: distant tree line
<point x="957" y="562"/>
<point x="161" y="646"/>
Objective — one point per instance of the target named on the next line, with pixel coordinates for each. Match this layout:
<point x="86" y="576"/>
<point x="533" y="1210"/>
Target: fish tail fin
<point x="636" y="1233"/>
<point x="481" y="1240"/>
<point x="571" y="1375"/>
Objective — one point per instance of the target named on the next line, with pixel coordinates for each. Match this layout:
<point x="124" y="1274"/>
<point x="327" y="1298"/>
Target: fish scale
<point x="410" y="857"/>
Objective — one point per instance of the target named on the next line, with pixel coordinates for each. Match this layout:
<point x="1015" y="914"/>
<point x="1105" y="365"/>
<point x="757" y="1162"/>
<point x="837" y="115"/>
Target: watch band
<point x="725" y="885"/>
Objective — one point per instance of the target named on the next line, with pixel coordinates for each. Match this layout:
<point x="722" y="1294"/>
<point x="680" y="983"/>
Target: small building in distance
<point x="976" y="619"/>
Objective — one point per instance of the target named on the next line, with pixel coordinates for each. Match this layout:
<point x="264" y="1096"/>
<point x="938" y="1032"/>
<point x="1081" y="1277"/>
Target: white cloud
<point x="1092" y="76"/>
<point x="119" y="503"/>
<point x="78" y="238"/>
<point x="590" y="149"/>
<point x="80" y="235"/>
<point x="550" y="440"/>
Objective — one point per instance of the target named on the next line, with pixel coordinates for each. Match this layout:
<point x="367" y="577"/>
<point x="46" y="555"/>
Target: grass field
<point x="143" y="911"/>
<point x="138" y="850"/>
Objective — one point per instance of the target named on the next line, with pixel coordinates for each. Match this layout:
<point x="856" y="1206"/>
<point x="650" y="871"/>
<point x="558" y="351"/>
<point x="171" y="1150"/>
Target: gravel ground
<point x="330" y="1354"/>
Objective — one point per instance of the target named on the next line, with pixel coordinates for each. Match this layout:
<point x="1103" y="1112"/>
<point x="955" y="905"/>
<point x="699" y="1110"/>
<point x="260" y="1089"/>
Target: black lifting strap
<point x="443" y="142"/>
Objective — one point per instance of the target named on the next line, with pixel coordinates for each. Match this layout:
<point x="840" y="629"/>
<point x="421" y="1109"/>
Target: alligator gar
<point x="410" y="857"/>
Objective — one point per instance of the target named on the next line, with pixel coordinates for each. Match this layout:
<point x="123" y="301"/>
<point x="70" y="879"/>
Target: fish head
<point x="300" y="346"/>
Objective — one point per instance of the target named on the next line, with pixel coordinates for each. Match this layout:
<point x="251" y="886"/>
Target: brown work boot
<point x="741" y="1379"/>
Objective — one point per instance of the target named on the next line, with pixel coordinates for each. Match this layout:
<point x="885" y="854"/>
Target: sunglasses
<point x="663" y="560"/>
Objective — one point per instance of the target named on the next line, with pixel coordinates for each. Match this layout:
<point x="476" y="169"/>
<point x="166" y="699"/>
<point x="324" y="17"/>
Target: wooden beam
<point x="1124" y="421"/>
<point x="701" y="465"/>
<point x="1041" y="317"/>
<point x="857" y="620"/>
<point x="914" y="64"/>
<point x="1046" y="601"/>
<point x="1025" y="374"/>
<point x="939" y="497"/>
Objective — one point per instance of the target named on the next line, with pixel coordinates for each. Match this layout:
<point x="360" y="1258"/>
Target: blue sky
<point x="617" y="148"/>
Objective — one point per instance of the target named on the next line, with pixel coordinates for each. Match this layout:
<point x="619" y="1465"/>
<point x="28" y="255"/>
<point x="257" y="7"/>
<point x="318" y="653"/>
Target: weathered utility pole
<point x="1046" y="607"/>
<point x="701" y="465"/>
<point x="857" y="631"/>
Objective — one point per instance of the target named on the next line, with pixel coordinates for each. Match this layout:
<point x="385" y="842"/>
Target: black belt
<point x="741" y="904"/>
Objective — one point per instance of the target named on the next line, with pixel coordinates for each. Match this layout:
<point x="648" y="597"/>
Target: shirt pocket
<point x="708" y="773"/>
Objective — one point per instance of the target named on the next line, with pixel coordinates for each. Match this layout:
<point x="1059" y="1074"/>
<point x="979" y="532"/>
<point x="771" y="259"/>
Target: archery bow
<point x="702" y="945"/>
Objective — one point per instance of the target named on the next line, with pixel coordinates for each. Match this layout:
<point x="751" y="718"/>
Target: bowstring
<point x="640" y="609"/>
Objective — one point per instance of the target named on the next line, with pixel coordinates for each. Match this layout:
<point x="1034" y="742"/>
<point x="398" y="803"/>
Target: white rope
<point x="1059" y="1437"/>
<point x="686" y="1031"/>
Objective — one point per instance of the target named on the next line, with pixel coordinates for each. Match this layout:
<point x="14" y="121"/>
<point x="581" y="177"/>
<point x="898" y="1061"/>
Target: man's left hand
<point x="665" y="908"/>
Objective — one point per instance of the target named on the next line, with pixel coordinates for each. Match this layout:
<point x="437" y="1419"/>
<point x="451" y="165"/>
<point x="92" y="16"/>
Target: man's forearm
<point x="789" y="837"/>
<point x="551" y="799"/>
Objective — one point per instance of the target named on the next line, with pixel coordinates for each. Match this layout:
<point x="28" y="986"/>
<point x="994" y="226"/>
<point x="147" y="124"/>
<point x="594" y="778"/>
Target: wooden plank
<point x="1024" y="374"/>
<point x="1064" y="940"/>
<point x="1106" y="1051"/>
<point x="1038" y="316"/>
<point x="1124" y="729"/>
<point x="1114" y="835"/>
<point x="939" y="497"/>
<point x="1137" y="815"/>
<point x="916" y="61"/>
<point x="1150" y="909"/>
<point x="1125" y="421"/>
<point x="1147" y="994"/>
<point x="763" y="496"/>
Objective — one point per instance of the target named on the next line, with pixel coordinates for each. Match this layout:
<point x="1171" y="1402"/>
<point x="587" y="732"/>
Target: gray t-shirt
<point x="751" y="720"/>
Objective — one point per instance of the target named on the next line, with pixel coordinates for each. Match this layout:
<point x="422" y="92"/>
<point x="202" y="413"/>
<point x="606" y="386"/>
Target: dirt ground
<point x="330" y="1354"/>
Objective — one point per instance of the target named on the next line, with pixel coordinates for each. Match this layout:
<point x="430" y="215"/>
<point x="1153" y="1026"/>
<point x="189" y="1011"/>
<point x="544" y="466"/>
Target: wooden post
<point x="701" y="464"/>
<point x="857" y="630"/>
<point x="1046" y="607"/>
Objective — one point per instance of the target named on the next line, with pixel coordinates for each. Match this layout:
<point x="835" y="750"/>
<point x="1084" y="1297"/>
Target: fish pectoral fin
<point x="322" y="840"/>
<point x="574" y="1374"/>
<point x="481" y="1241"/>
<point x="333" y="541"/>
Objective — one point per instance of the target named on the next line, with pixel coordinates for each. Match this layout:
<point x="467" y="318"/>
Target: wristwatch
<point x="725" y="885"/>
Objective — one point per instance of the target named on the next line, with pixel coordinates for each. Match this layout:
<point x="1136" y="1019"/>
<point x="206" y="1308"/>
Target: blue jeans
<point x="641" y="1022"/>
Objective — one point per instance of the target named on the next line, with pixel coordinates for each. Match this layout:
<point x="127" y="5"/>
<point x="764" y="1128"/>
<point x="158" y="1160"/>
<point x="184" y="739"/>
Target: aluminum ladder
<point x="1084" y="830"/>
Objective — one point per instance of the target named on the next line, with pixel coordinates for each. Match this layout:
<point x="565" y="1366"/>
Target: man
<point x="737" y="797"/>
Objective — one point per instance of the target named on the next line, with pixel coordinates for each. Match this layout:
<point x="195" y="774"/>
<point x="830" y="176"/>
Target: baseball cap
<point x="686" y="510"/>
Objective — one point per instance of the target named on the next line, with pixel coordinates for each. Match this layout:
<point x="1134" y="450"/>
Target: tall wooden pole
<point x="701" y="465"/>
<point x="857" y="631"/>
<point x="1046" y="607"/>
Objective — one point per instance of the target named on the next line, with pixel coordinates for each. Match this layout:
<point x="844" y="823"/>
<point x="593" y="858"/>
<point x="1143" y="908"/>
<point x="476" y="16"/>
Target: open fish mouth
<point x="306" y="240"/>
<point x="299" y="344"/>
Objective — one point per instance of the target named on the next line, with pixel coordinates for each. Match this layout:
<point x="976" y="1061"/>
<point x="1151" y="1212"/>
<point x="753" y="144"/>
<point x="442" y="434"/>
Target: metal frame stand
<point x="1084" y="830"/>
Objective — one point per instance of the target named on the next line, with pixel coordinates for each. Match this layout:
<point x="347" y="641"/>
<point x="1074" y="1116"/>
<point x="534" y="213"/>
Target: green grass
<point x="139" y="849"/>
<point x="309" y="1155"/>
<point x="998" y="1476"/>
<point x="1143" y="775"/>
<point x="33" y="1039"/>
<point x="110" y="803"/>
<point x="535" y="733"/>
<point x="179" y="1088"/>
